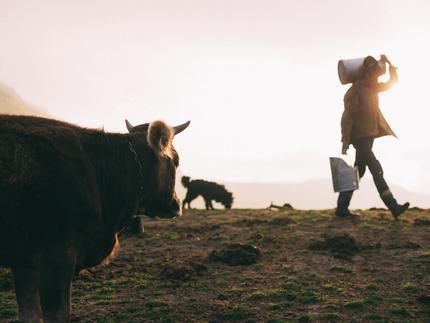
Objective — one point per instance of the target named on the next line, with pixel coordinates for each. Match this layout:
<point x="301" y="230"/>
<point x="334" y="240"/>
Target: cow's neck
<point x="118" y="177"/>
<point x="138" y="166"/>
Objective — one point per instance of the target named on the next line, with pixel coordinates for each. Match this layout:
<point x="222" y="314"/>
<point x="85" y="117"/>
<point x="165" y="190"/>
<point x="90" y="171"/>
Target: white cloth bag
<point x="345" y="177"/>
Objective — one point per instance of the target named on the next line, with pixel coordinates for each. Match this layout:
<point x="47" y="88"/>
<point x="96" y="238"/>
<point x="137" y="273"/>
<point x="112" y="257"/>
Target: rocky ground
<point x="259" y="266"/>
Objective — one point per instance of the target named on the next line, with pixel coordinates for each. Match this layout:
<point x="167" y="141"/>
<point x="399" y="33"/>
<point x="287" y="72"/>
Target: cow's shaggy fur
<point x="66" y="192"/>
<point x="210" y="191"/>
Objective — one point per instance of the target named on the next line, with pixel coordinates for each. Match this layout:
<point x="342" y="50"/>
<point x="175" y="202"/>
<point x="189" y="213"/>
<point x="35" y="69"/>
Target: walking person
<point x="362" y="122"/>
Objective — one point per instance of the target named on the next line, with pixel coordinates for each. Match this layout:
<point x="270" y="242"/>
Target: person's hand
<point x="385" y="59"/>
<point x="344" y="150"/>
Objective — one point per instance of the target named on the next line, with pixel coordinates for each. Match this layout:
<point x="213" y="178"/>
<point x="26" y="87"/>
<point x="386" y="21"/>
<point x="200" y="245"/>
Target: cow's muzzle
<point x="172" y="211"/>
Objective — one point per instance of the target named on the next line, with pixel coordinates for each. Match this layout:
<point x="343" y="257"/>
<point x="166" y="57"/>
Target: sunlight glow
<point x="260" y="85"/>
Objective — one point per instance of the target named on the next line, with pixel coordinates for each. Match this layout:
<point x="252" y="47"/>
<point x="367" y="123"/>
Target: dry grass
<point x="387" y="279"/>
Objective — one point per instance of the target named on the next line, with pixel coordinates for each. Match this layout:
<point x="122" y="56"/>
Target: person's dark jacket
<point x="362" y="117"/>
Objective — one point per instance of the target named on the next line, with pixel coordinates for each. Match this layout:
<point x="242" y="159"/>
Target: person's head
<point x="371" y="69"/>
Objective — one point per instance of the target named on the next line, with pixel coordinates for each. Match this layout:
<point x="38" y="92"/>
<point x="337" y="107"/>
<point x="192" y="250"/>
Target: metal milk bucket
<point x="345" y="178"/>
<point x="350" y="70"/>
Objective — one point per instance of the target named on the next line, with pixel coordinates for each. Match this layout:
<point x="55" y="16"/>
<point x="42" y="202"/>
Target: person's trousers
<point x="364" y="157"/>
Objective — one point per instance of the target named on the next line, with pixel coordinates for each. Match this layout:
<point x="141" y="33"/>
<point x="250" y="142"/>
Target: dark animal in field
<point x="210" y="191"/>
<point x="66" y="192"/>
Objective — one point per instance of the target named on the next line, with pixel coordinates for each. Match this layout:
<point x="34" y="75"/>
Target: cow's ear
<point x="129" y="126"/>
<point x="160" y="137"/>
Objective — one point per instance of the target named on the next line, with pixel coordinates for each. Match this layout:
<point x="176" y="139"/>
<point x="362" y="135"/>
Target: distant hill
<point x="315" y="194"/>
<point x="12" y="103"/>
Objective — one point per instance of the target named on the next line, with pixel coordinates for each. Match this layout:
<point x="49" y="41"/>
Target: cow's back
<point x="41" y="162"/>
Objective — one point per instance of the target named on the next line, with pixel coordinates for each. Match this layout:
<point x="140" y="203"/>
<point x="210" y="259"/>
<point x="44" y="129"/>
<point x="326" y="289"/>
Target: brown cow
<point x="65" y="193"/>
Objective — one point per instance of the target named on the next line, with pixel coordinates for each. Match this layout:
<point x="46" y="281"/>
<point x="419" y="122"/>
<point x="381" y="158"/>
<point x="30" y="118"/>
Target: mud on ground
<point x="167" y="275"/>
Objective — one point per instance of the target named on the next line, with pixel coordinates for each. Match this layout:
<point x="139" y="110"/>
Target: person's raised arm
<point x="394" y="78"/>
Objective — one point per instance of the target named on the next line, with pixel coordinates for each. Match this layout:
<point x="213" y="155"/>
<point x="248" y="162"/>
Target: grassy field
<point x="312" y="267"/>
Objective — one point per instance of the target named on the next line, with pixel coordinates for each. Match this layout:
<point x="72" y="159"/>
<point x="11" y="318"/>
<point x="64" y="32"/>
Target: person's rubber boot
<point x="343" y="201"/>
<point x="391" y="203"/>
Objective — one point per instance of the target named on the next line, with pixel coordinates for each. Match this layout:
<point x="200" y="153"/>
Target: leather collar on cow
<point x="139" y="168"/>
<point x="122" y="226"/>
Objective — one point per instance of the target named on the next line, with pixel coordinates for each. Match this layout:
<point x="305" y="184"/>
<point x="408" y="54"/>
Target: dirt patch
<point x="343" y="246"/>
<point x="182" y="270"/>
<point x="404" y="245"/>
<point x="251" y="222"/>
<point x="421" y="222"/>
<point x="236" y="254"/>
<point x="282" y="221"/>
<point x="255" y="222"/>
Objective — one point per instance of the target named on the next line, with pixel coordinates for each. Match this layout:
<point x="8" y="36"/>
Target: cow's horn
<point x="129" y="125"/>
<point x="182" y="127"/>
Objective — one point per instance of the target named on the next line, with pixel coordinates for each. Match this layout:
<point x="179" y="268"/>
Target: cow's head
<point x="159" y="160"/>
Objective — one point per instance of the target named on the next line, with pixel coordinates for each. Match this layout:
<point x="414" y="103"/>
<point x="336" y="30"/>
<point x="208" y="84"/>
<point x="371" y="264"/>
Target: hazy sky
<point x="258" y="79"/>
